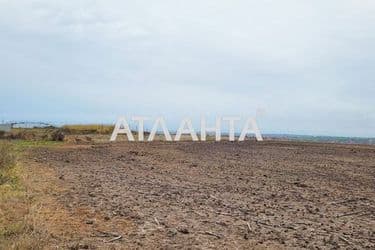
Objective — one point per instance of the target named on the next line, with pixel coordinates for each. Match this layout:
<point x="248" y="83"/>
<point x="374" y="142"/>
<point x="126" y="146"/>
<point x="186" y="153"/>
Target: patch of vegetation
<point x="7" y="154"/>
<point x="33" y="134"/>
<point x="15" y="203"/>
<point x="7" y="160"/>
<point x="55" y="134"/>
<point x="22" y="145"/>
<point x="88" y="129"/>
<point x="10" y="190"/>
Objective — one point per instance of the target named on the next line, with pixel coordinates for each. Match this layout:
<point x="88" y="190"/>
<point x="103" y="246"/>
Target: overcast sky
<point x="309" y="64"/>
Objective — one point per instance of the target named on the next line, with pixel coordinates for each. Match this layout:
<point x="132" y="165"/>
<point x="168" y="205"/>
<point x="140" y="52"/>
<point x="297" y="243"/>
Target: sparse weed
<point x="7" y="155"/>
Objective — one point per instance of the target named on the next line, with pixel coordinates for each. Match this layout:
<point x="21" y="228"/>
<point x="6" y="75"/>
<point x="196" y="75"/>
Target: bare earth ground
<point x="211" y="195"/>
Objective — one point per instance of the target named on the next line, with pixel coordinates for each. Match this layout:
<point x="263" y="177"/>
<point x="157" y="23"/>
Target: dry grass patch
<point x="35" y="134"/>
<point x="18" y="227"/>
<point x="7" y="155"/>
<point x="88" y="129"/>
<point x="13" y="202"/>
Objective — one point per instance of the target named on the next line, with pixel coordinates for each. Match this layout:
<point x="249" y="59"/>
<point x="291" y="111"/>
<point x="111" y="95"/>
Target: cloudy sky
<point x="309" y="65"/>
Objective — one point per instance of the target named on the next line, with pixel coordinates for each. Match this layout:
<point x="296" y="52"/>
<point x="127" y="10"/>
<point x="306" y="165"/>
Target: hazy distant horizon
<point x="173" y="129"/>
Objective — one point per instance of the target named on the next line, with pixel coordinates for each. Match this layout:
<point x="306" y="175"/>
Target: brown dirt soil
<point x="213" y="195"/>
